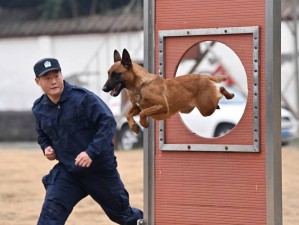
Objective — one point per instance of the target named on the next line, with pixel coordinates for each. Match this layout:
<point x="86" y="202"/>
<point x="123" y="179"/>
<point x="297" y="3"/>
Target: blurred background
<point x="83" y="35"/>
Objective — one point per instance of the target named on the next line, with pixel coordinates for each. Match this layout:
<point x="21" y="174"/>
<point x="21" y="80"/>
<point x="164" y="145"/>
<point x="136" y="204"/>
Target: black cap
<point x="45" y="65"/>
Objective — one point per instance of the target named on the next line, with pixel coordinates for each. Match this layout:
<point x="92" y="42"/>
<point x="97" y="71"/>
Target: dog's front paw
<point x="135" y="128"/>
<point x="144" y="123"/>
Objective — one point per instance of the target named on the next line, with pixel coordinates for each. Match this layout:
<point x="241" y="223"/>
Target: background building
<point x="83" y="45"/>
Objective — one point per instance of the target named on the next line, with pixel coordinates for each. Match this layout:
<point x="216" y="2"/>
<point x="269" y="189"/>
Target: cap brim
<point x="48" y="70"/>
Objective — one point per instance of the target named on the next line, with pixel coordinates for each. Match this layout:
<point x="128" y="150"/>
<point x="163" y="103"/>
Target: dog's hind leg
<point x="157" y="112"/>
<point x="206" y="111"/>
<point x="187" y="109"/>
<point x="217" y="78"/>
<point x="207" y="104"/>
<point x="226" y="94"/>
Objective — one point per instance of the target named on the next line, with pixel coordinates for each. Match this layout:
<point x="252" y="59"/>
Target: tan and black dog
<point x="159" y="98"/>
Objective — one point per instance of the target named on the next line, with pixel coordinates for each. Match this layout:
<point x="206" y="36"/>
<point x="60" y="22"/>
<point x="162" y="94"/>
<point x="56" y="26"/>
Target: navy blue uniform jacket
<point x="80" y="121"/>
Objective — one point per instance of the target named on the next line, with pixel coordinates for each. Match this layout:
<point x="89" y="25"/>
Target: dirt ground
<point x="21" y="190"/>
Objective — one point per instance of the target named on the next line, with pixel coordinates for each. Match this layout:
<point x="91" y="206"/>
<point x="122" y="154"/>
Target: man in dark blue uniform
<point x="75" y="127"/>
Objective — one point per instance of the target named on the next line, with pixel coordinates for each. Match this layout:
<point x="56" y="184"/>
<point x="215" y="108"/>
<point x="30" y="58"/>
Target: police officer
<point x="75" y="127"/>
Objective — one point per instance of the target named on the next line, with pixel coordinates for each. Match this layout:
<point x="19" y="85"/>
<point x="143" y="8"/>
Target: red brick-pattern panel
<point x="194" y="188"/>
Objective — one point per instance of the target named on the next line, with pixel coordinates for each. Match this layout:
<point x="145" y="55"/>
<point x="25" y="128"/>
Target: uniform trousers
<point x="64" y="190"/>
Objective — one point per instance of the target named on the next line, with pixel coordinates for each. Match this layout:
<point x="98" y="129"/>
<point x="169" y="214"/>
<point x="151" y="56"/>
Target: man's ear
<point x="116" y="56"/>
<point x="126" y="59"/>
<point x="37" y="81"/>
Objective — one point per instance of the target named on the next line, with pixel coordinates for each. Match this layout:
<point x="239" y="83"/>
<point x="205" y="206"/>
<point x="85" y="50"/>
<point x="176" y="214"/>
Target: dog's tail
<point x="217" y="78"/>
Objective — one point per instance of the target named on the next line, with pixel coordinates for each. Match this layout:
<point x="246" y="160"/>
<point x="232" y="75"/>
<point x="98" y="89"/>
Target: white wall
<point x="81" y="53"/>
<point x="288" y="77"/>
<point x="76" y="53"/>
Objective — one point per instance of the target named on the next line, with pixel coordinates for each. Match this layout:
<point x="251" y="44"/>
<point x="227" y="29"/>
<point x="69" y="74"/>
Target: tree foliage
<point x="58" y="9"/>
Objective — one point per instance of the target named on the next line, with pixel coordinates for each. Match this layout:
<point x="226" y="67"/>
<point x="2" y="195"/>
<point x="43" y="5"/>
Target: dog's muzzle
<point x="106" y="88"/>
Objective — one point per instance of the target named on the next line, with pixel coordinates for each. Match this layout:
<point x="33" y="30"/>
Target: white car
<point x="289" y="126"/>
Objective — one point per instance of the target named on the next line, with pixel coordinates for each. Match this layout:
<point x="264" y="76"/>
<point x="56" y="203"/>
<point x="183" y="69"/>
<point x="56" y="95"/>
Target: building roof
<point x="84" y="25"/>
<point x="96" y="24"/>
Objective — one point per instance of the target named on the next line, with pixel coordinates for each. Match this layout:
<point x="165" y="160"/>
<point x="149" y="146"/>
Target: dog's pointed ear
<point x="116" y="56"/>
<point x="126" y="59"/>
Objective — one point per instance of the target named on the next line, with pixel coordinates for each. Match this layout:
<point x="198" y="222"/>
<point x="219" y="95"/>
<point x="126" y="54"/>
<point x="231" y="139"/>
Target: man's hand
<point x="83" y="160"/>
<point x="50" y="153"/>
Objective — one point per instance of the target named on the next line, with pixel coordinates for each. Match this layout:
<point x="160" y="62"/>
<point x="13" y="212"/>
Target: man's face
<point x="51" y="83"/>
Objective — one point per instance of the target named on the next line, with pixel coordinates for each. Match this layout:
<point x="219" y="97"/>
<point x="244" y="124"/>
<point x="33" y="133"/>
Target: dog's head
<point x="116" y="77"/>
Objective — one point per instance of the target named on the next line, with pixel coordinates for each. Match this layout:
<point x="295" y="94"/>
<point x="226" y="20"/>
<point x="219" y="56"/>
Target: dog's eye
<point x="115" y="75"/>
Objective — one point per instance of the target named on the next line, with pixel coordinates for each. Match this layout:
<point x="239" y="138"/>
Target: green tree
<point x="57" y="9"/>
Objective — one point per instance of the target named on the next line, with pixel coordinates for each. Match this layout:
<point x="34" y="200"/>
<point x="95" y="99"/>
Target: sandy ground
<point x="21" y="191"/>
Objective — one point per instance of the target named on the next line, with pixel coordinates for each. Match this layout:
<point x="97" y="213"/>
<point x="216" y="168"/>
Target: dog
<point x="159" y="98"/>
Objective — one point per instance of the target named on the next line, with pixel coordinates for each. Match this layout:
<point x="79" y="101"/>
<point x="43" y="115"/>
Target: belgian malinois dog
<point x="159" y="98"/>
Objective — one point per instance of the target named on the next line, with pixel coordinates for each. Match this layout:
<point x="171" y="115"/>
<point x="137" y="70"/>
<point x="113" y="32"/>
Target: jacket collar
<point x="66" y="92"/>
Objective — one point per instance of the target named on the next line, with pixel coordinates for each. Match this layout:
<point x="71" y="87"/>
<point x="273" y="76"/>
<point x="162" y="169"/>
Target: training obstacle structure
<point x="235" y="178"/>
